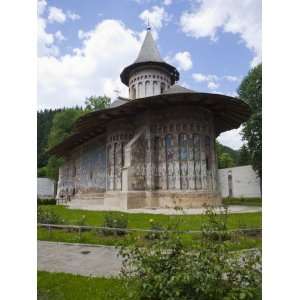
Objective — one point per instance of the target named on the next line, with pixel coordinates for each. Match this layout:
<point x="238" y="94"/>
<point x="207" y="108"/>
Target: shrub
<point x="50" y="201"/>
<point x="165" y="270"/>
<point x="215" y="228"/>
<point x="156" y="233"/>
<point x="47" y="216"/>
<point x="115" y="221"/>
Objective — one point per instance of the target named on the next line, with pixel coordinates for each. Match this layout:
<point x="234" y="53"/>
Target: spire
<point x="148" y="25"/>
<point x="149" y="51"/>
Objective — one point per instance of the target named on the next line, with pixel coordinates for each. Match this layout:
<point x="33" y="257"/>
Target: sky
<point x="84" y="45"/>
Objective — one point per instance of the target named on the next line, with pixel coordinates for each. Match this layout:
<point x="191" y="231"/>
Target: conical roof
<point x="149" y="56"/>
<point x="149" y="51"/>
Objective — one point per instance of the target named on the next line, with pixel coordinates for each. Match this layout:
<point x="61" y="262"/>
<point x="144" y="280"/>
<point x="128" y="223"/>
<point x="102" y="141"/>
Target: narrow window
<point x="169" y="161"/>
<point x="162" y="87"/>
<point x="207" y="153"/>
<point x="155" y="88"/>
<point x="147" y="88"/>
<point x="140" y="92"/>
<point x="133" y="92"/>
<point x="183" y="157"/>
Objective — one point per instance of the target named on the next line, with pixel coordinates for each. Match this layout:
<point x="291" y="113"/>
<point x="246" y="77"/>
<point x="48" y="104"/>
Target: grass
<point x="242" y="201"/>
<point x="238" y="243"/>
<point x="187" y="222"/>
<point x="62" y="286"/>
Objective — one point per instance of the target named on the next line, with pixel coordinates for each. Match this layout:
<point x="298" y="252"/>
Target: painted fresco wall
<point x="183" y="156"/>
<point x="172" y="150"/>
<point x="84" y="171"/>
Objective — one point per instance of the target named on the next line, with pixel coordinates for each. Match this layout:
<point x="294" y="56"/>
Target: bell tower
<point x="149" y="74"/>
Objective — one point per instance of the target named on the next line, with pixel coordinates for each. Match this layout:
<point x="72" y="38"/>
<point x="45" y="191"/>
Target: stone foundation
<point x="145" y="199"/>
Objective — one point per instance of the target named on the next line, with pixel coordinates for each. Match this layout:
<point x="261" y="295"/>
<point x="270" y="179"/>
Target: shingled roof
<point x="149" y="56"/>
<point x="229" y="113"/>
<point x="149" y="51"/>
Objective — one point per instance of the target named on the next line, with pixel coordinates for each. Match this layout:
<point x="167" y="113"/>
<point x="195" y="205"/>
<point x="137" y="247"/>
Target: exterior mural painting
<point x="155" y="149"/>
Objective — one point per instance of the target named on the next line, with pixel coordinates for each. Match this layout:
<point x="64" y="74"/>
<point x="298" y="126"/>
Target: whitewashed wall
<point x="245" y="182"/>
<point x="45" y="188"/>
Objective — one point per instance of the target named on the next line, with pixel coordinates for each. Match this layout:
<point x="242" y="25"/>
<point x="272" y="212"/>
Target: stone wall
<point x="45" y="188"/>
<point x="241" y="181"/>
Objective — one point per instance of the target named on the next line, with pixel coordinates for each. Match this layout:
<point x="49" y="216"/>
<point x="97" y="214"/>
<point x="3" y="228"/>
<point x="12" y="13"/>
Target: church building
<point x="153" y="149"/>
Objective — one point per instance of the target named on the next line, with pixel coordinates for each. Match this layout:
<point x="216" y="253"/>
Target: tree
<point x="61" y="128"/>
<point x="62" y="125"/>
<point x="225" y="161"/>
<point x="227" y="157"/>
<point x="244" y="157"/>
<point x="94" y="103"/>
<point x="44" y="124"/>
<point x="250" y="91"/>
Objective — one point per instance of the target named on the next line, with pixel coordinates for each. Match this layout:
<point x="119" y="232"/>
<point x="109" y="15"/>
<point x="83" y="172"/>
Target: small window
<point x="162" y="87"/>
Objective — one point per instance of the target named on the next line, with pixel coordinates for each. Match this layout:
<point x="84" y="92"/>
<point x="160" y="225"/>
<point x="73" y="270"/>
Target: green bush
<point x="165" y="270"/>
<point x="47" y="216"/>
<point x="50" y="201"/>
<point x="215" y="228"/>
<point x="156" y="233"/>
<point x="115" y="221"/>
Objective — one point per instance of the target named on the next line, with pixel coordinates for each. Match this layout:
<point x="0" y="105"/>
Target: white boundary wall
<point x="45" y="188"/>
<point x="245" y="182"/>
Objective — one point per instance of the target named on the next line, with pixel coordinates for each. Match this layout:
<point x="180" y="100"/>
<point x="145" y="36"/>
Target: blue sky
<point x="83" y="45"/>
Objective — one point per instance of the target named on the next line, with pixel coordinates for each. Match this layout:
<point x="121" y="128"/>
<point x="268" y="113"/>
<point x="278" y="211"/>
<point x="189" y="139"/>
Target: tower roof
<point x="149" y="56"/>
<point x="149" y="51"/>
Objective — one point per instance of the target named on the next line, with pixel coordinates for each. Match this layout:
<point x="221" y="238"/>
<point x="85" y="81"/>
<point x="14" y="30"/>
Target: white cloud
<point x="202" y="78"/>
<point x="167" y="2"/>
<point x="212" y="85"/>
<point x="73" y="16"/>
<point x="231" y="138"/>
<point x="232" y="78"/>
<point x="41" y="6"/>
<point x="56" y="15"/>
<point x="237" y="17"/>
<point x="59" y="36"/>
<point x="184" y="60"/>
<point x="46" y="40"/>
<point x="92" y="69"/>
<point x="157" y="17"/>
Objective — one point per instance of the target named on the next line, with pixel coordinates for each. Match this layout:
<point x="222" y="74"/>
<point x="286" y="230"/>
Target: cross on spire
<point x="148" y="24"/>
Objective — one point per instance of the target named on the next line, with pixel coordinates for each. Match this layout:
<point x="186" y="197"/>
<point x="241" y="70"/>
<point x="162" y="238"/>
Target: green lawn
<point x="62" y="286"/>
<point x="187" y="222"/>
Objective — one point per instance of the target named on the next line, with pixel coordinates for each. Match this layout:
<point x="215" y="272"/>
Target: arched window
<point x="183" y="147"/>
<point x="155" y="88"/>
<point x="140" y="91"/>
<point x="156" y="162"/>
<point x="147" y="88"/>
<point x="183" y="158"/>
<point x="207" y="153"/>
<point x="169" y="143"/>
<point x="162" y="87"/>
<point x="133" y="91"/>
<point x="197" y="161"/>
